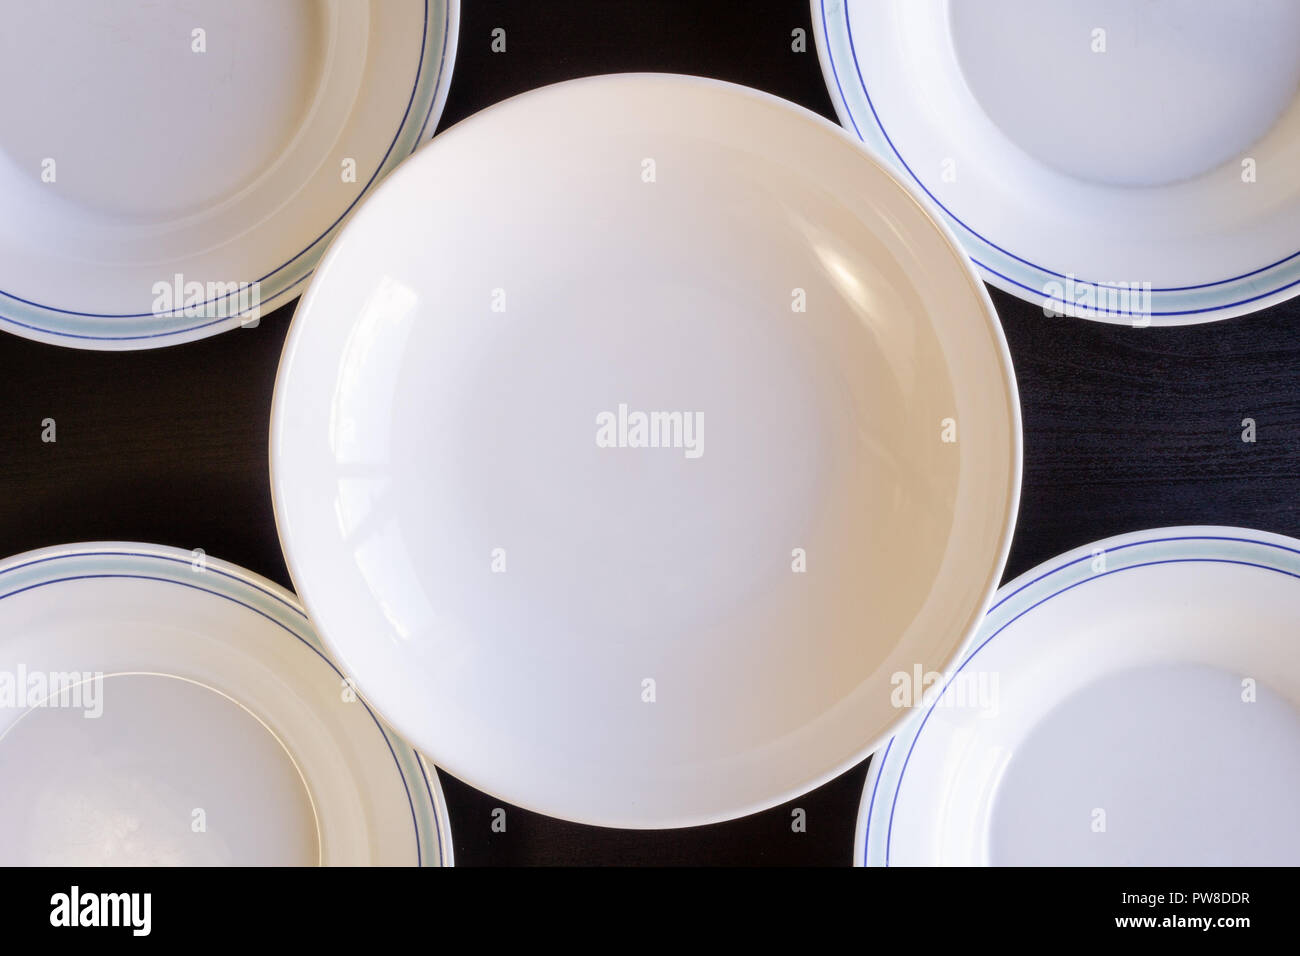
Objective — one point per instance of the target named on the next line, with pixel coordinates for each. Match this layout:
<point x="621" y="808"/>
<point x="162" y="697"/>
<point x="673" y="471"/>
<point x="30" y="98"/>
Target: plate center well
<point x="149" y="770"/>
<point x="187" y="103"/>
<point x="1171" y="764"/>
<point x="1130" y="94"/>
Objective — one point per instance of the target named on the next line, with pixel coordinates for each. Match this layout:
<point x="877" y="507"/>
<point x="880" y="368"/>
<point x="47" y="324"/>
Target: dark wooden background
<point x="1124" y="428"/>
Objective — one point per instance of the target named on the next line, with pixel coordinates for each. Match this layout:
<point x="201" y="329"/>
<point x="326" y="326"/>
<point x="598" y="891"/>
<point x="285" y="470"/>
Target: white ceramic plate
<point x="168" y="171"/>
<point x="1128" y="162"/>
<point x="626" y="620"/>
<point x="159" y="707"/>
<point x="1133" y="702"/>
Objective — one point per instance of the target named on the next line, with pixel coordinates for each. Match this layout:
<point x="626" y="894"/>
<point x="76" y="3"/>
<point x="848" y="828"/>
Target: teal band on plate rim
<point x="1212" y="299"/>
<point x="171" y="565"/>
<point x="429" y="90"/>
<point x="1200" y="544"/>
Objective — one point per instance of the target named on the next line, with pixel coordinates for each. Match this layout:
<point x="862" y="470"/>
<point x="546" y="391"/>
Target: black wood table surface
<point x="1124" y="428"/>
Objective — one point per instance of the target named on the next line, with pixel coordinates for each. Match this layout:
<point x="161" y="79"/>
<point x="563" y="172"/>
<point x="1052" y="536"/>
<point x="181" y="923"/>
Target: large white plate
<point x="158" y="706"/>
<point x="643" y="636"/>
<point x="168" y="171"/>
<point x="1127" y="162"/>
<point x="1136" y="701"/>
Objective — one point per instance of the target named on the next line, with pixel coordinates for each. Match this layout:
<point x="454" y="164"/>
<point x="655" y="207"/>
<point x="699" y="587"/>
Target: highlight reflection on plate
<point x="622" y="463"/>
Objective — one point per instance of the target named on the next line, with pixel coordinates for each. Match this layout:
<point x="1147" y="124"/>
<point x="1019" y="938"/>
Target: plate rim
<point x="868" y="851"/>
<point x="276" y="604"/>
<point x="1004" y="263"/>
<point x="34" y="320"/>
<point x="998" y="342"/>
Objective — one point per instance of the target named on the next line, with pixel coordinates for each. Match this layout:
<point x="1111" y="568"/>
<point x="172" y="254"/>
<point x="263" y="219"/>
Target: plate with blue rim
<point x="1124" y="162"/>
<point x="1135" y="701"/>
<point x="161" y="707"/>
<point x="170" y="171"/>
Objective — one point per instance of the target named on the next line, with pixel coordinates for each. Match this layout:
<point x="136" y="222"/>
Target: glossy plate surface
<point x="1133" y="702"/>
<point x="168" y="171"/>
<point x="159" y="707"/>
<point x="621" y="462"/>
<point x="1125" y="162"/>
